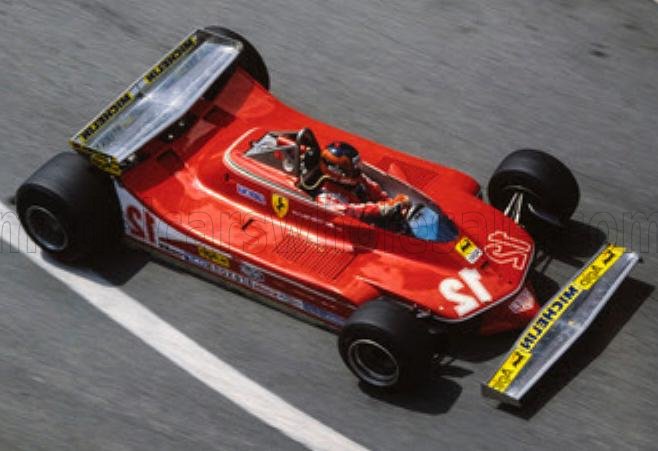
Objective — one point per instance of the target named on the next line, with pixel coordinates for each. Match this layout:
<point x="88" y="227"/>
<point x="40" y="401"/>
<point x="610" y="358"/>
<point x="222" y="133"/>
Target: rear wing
<point x="559" y="323"/>
<point x="159" y="98"/>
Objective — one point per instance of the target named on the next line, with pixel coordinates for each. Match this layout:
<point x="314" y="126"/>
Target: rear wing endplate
<point x="559" y="323"/>
<point x="156" y="100"/>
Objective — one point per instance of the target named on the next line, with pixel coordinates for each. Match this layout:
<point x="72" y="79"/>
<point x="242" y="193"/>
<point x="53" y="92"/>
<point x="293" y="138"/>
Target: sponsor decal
<point x="510" y="369"/>
<point x="314" y="218"/>
<point x="522" y="302"/>
<point x="214" y="256"/>
<point x="166" y="62"/>
<point x="250" y="194"/>
<point x="106" y="163"/>
<point x="467" y="249"/>
<point x="105" y="116"/>
<point x="550" y="314"/>
<point x="324" y="314"/>
<point x="254" y="284"/>
<point x="280" y="205"/>
<point x="599" y="267"/>
<point x="504" y="249"/>
<point x="252" y="272"/>
<point x="172" y="250"/>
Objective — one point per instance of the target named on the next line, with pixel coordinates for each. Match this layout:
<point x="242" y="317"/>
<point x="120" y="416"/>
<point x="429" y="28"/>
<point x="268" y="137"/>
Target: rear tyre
<point x="550" y="191"/>
<point x="249" y="58"/>
<point x="69" y="208"/>
<point x="386" y="346"/>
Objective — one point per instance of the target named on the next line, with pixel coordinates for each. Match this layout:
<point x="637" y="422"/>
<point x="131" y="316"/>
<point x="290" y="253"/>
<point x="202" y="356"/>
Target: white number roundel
<point x="453" y="289"/>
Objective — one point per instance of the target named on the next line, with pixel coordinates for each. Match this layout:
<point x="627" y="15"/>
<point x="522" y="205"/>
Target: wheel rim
<point x="373" y="363"/>
<point x="46" y="228"/>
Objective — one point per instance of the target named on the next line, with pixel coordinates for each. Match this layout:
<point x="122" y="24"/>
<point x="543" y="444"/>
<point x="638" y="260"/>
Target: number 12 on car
<point x="456" y="290"/>
<point x="140" y="224"/>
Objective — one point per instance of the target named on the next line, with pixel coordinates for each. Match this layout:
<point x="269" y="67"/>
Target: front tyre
<point x="69" y="208"/>
<point x="545" y="188"/>
<point x="385" y="345"/>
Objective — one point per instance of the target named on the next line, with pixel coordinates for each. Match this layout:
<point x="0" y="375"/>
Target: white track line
<point x="179" y="348"/>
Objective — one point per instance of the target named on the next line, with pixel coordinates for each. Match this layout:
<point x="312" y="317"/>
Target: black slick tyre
<point x="69" y="208"/>
<point x="549" y="188"/>
<point x="386" y="346"/>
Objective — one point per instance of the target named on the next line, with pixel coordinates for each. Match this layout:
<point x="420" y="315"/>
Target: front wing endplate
<point x="559" y="323"/>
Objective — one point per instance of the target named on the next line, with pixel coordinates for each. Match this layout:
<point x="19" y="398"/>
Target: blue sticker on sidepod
<point x="250" y="194"/>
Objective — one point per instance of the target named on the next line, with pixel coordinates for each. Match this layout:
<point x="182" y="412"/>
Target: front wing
<point x="560" y="322"/>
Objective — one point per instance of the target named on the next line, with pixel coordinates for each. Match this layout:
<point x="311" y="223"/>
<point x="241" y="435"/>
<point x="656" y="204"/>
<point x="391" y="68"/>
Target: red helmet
<point x="341" y="162"/>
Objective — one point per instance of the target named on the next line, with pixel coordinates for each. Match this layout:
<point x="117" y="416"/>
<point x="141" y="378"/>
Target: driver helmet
<point x="341" y="162"/>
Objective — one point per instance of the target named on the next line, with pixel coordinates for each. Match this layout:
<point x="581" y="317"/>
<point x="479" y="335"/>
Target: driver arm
<point x="375" y="191"/>
<point x="366" y="211"/>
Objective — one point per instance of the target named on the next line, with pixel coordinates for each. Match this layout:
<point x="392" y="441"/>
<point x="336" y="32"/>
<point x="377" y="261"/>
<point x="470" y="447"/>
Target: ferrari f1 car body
<point x="192" y="156"/>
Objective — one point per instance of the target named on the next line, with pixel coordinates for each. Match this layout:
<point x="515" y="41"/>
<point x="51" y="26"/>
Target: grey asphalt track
<point x="456" y="81"/>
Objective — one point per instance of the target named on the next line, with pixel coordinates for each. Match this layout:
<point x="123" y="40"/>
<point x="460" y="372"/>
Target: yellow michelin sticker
<point x="601" y="264"/>
<point x="550" y="314"/>
<point x="165" y="63"/>
<point x="510" y="369"/>
<point x="214" y="256"/>
<point x="467" y="249"/>
<point x="99" y="121"/>
<point x="106" y="163"/>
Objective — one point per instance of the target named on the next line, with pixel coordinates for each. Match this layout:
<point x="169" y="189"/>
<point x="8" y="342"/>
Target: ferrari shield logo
<point x="280" y="205"/>
<point x="467" y="249"/>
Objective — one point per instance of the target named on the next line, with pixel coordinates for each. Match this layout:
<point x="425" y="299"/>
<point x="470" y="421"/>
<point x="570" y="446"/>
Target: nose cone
<point x="460" y="279"/>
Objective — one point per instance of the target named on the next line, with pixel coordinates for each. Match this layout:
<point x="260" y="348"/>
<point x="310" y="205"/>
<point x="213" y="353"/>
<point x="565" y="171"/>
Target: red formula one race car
<point x="200" y="165"/>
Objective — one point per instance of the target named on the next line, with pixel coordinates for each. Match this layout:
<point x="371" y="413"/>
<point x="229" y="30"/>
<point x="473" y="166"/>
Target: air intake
<point x="324" y="260"/>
